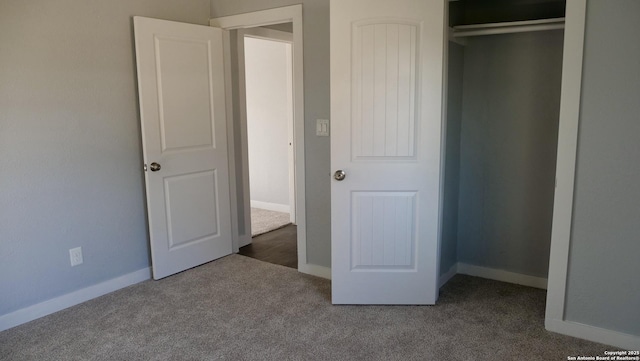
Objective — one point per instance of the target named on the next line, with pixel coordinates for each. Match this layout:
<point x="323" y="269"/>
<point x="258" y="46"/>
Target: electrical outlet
<point x="75" y="254"/>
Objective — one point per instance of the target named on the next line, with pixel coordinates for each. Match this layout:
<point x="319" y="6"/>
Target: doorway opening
<point x="287" y="19"/>
<point x="266" y="90"/>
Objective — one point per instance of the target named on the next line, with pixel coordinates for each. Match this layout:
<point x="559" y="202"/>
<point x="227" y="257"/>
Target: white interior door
<point x="386" y="111"/>
<point x="181" y="89"/>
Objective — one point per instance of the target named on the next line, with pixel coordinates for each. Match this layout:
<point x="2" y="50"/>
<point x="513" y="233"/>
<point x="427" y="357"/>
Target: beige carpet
<point x="263" y="221"/>
<point x="238" y="308"/>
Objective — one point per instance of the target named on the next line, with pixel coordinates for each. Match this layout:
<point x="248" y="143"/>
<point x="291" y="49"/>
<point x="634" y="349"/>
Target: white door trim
<point x="566" y="158"/>
<point x="291" y="14"/>
<point x="565" y="183"/>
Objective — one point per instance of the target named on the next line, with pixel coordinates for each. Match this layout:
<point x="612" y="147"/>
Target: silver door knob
<point x="154" y="167"/>
<point x="339" y="175"/>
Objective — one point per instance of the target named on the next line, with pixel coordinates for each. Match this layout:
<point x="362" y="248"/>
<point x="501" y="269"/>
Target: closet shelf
<point x="461" y="31"/>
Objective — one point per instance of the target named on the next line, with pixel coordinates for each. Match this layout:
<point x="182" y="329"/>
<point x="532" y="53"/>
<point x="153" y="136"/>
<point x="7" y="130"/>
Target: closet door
<point x="386" y="111"/>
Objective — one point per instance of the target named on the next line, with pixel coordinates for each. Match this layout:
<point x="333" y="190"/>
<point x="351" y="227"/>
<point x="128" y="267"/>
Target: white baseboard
<point x="271" y="206"/>
<point x="315" y="270"/>
<point x="595" y="334"/>
<point x="445" y="277"/>
<point x="502" y="275"/>
<point x="59" y="303"/>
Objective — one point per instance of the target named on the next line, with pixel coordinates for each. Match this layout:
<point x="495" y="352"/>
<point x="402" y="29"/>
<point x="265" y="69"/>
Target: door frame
<point x="568" y="131"/>
<point x="282" y="37"/>
<point x="566" y="160"/>
<point x="284" y="14"/>
<point x="570" y="104"/>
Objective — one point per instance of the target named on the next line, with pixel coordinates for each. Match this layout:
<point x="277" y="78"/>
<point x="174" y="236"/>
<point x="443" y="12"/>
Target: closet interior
<point x="503" y="104"/>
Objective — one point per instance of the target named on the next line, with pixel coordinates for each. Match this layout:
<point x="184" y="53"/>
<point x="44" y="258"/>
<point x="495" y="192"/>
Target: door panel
<point x="384" y="70"/>
<point x="383" y="232"/>
<point x="191" y="201"/>
<point x="181" y="88"/>
<point x="180" y="64"/>
<point x="387" y="62"/>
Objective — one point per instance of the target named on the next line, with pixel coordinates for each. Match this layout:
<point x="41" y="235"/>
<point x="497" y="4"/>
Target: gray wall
<point x="70" y="143"/>
<point x="316" y="106"/>
<point x="286" y="27"/>
<point x="449" y="249"/>
<point x="511" y="97"/>
<point x="603" y="287"/>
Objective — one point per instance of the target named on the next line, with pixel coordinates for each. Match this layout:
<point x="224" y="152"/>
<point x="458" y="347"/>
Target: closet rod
<point x="507" y="27"/>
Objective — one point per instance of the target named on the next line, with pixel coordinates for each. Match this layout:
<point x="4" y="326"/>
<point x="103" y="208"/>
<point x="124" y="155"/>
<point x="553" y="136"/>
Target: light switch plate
<point x="322" y="127"/>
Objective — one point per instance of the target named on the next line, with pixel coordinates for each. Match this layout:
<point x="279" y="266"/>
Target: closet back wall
<point x="510" y="109"/>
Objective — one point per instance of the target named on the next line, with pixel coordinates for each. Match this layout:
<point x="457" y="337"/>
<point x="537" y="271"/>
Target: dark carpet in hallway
<point x="277" y="247"/>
